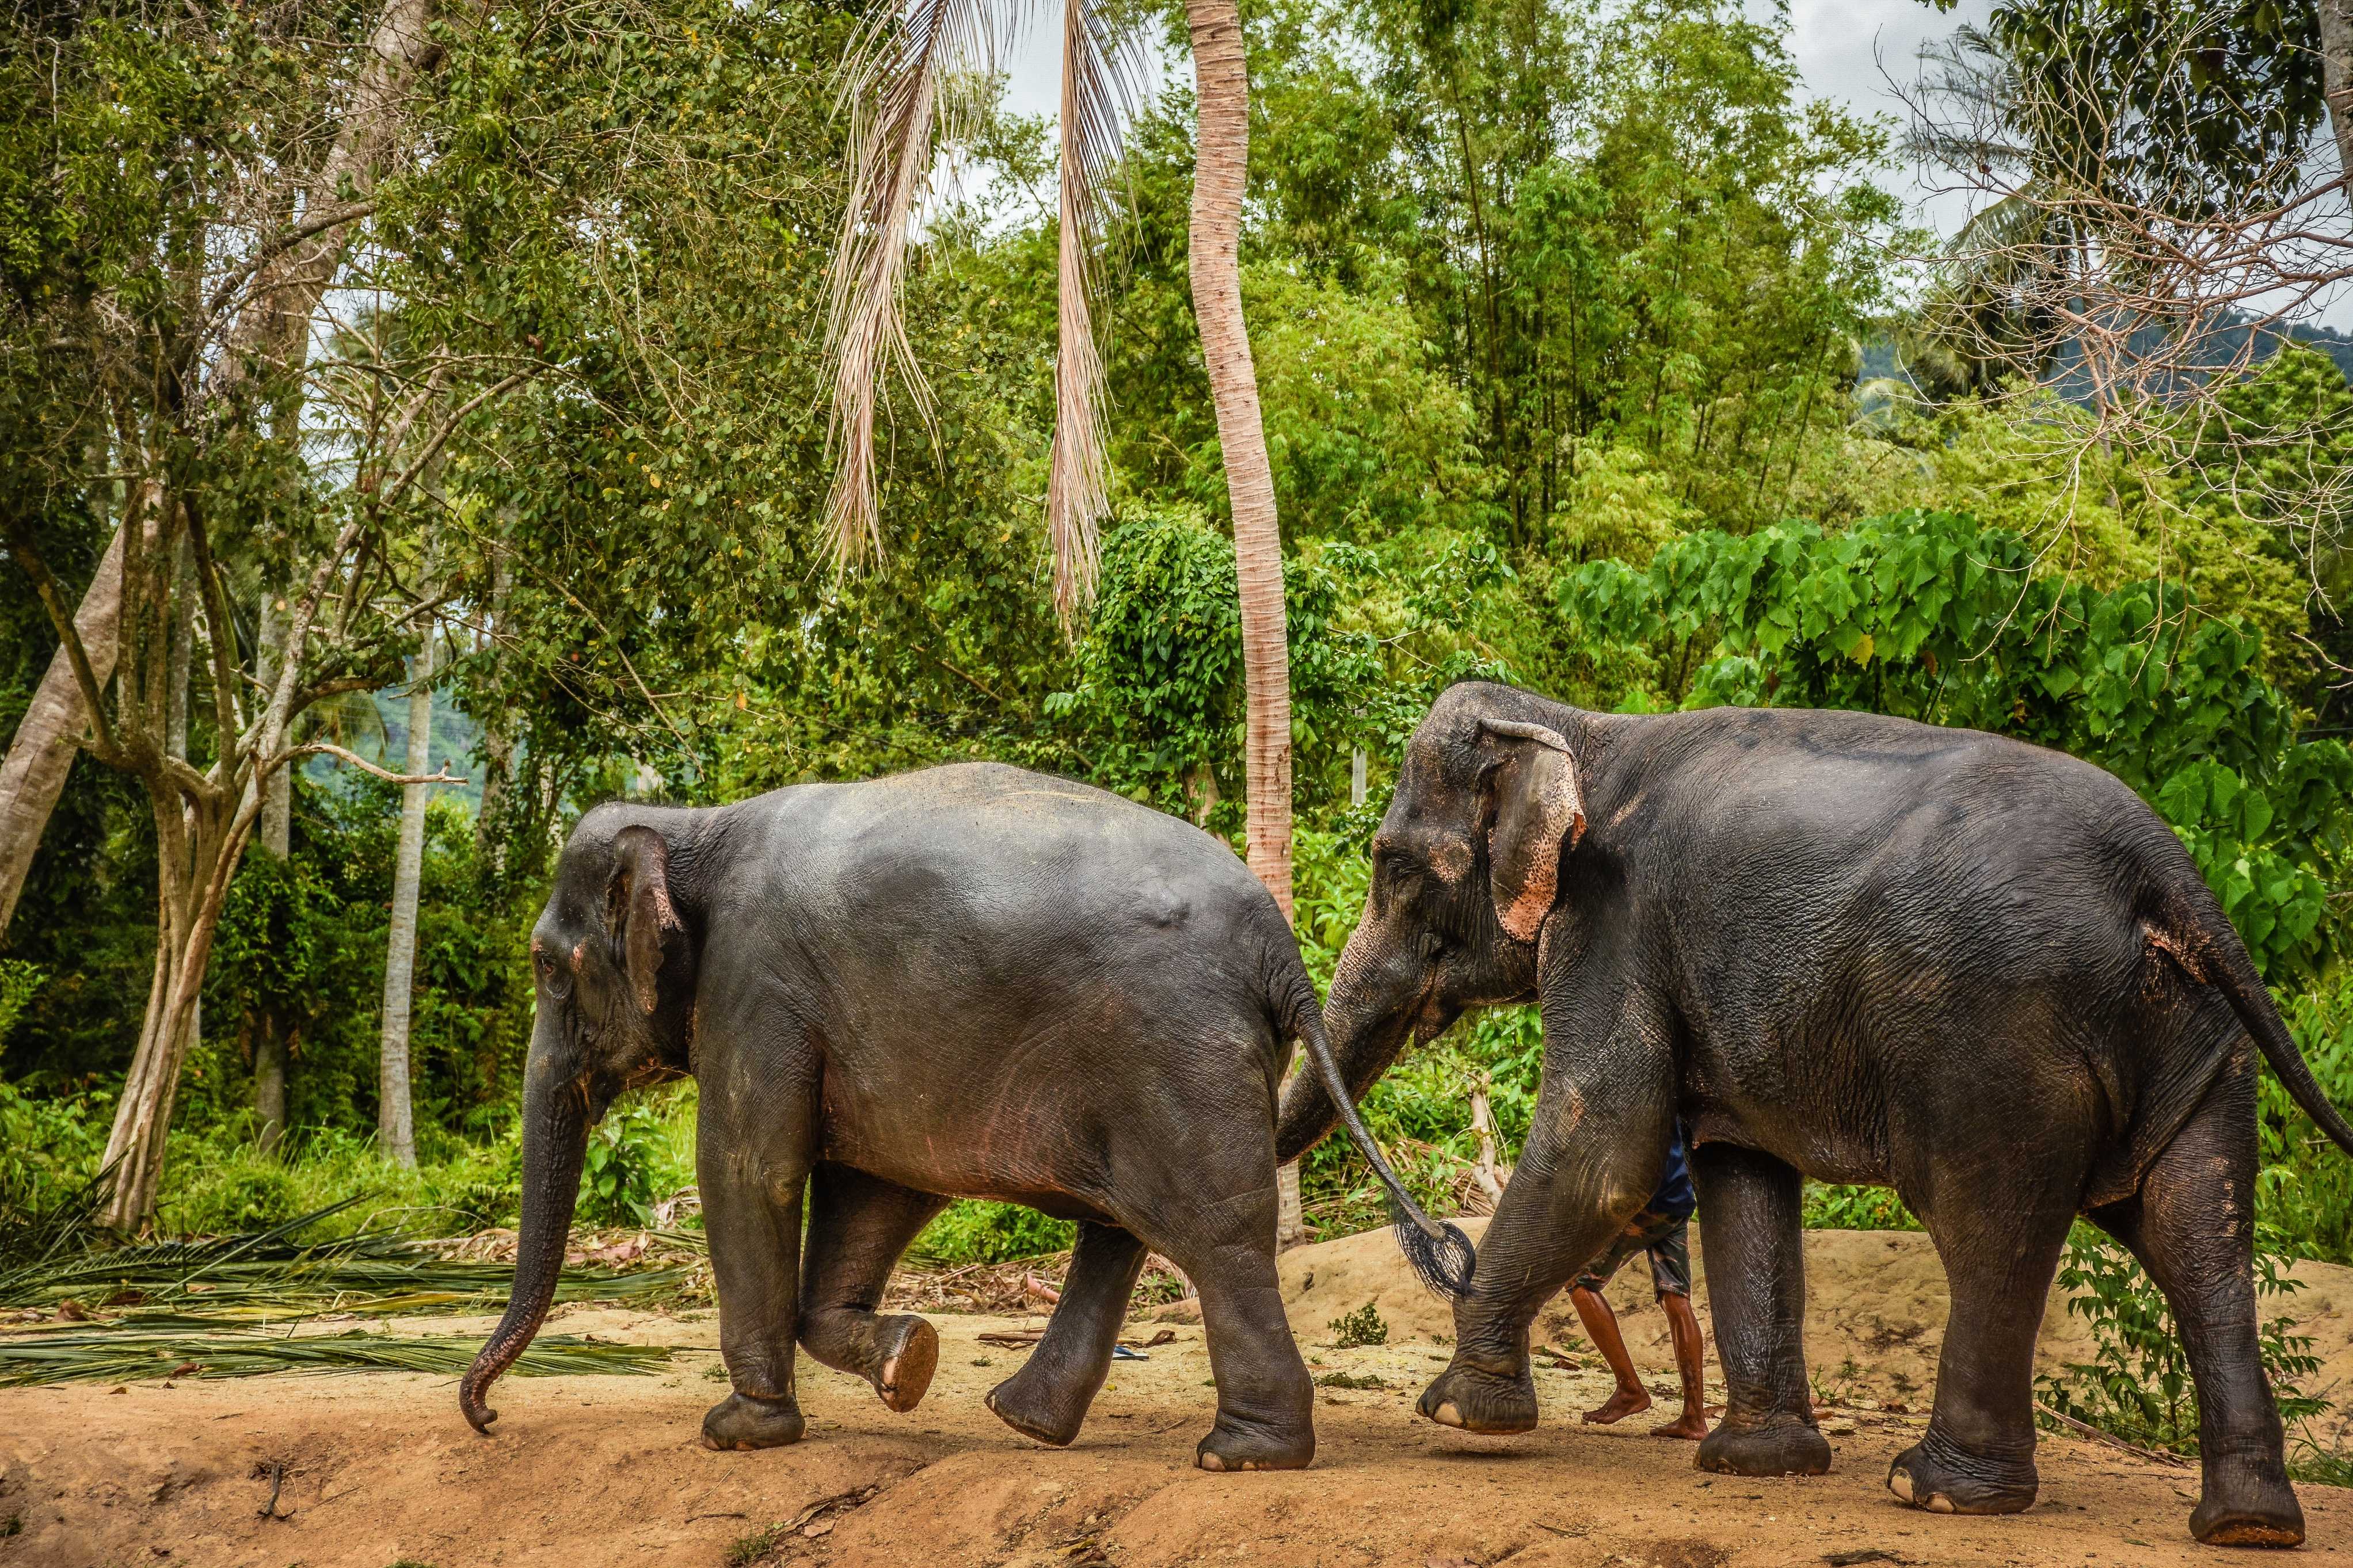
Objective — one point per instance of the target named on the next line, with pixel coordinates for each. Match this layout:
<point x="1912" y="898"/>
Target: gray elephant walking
<point x="971" y="981"/>
<point x="1852" y="948"/>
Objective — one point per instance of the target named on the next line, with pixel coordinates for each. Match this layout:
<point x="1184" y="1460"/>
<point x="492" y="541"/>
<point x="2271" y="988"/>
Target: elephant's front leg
<point x="858" y="1225"/>
<point x="1593" y="1156"/>
<point x="1048" y="1398"/>
<point x="751" y="1184"/>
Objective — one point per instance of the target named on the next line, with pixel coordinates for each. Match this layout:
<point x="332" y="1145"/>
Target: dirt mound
<point x="375" y="1469"/>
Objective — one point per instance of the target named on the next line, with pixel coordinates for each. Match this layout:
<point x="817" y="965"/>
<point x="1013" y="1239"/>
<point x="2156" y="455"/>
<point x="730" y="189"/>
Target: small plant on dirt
<point x="1350" y="1380"/>
<point x="2321" y="1467"/>
<point x="1362" y="1327"/>
<point x="756" y="1547"/>
<point x="2137" y="1386"/>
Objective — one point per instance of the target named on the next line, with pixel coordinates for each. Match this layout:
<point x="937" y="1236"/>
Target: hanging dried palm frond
<point x="892" y="86"/>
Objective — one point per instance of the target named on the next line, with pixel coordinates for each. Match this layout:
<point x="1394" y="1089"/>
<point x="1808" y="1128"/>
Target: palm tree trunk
<point x="395" y="1127"/>
<point x="277" y="835"/>
<point x="1221" y="166"/>
<point x="42" y="754"/>
<point x="2337" y="75"/>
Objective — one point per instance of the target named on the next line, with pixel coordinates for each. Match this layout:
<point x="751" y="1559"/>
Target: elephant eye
<point x="554" y="975"/>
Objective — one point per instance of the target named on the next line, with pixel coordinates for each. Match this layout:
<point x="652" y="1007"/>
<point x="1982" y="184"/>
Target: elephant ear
<point x="1539" y="814"/>
<point x="638" y="915"/>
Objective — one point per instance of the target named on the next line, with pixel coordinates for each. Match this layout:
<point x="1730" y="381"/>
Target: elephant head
<point x="1466" y="869"/>
<point x="613" y="959"/>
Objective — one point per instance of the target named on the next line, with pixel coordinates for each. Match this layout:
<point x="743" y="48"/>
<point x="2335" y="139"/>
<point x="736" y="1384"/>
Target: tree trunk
<point x="395" y="1128"/>
<point x="42" y="752"/>
<point x="198" y="854"/>
<point x="1221" y="166"/>
<point x="275" y="835"/>
<point x="2337" y="75"/>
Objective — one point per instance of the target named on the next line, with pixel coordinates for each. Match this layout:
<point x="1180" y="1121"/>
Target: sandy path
<point x="606" y="1470"/>
<point x="380" y="1469"/>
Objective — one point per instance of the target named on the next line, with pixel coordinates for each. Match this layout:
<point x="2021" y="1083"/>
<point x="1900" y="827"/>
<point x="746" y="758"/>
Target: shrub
<point x="2137" y="1387"/>
<point x="971" y="1231"/>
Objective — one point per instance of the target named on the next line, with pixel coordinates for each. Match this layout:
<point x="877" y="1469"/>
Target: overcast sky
<point x="1840" y="49"/>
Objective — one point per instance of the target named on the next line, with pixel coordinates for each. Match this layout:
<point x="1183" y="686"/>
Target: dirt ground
<point x="379" y="1470"/>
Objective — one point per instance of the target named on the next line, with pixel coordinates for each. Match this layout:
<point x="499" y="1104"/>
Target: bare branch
<point x="329" y="749"/>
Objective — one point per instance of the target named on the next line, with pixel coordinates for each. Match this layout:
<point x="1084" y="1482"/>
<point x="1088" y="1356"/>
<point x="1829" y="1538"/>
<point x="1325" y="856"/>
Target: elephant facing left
<point x="966" y="982"/>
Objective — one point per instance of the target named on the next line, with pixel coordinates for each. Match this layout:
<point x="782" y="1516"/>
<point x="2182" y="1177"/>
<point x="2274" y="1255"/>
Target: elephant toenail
<point x="1939" y="1503"/>
<point x="1899" y="1481"/>
<point x="1447" y="1416"/>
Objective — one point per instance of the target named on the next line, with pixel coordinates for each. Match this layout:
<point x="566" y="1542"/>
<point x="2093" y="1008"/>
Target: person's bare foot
<point x="1624" y="1403"/>
<point x="1690" y="1426"/>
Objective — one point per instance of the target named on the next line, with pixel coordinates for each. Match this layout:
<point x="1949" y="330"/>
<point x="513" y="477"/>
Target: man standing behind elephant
<point x="1663" y="1231"/>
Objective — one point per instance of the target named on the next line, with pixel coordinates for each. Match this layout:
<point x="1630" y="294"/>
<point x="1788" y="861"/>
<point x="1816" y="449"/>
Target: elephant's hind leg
<point x="1048" y="1398"/>
<point x="2192" y="1226"/>
<point x="1221" y="1232"/>
<point x="1751" y="1215"/>
<point x="1998" y="1223"/>
<point x="858" y="1225"/>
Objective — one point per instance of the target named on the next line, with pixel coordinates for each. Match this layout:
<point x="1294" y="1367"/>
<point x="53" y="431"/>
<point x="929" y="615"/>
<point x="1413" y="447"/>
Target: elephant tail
<point x="2221" y="961"/>
<point x="1440" y="1254"/>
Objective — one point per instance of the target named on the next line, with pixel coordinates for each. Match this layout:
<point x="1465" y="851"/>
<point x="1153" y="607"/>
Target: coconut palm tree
<point x="896" y="86"/>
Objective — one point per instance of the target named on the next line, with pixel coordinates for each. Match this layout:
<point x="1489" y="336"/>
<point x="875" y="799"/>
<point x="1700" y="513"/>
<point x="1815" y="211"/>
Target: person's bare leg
<point x="1691" y="1366"/>
<point x="1601" y="1328"/>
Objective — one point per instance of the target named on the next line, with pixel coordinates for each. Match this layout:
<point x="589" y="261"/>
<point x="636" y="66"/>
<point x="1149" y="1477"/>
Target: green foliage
<point x="1837" y="1206"/>
<point x="2138" y="1386"/>
<point x="617" y="1185"/>
<point x="1362" y="1327"/>
<point x="973" y="1231"/>
<point x="1929" y="616"/>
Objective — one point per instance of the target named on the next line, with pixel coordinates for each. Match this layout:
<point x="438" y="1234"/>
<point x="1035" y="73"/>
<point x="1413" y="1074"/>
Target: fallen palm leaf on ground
<point x="123" y="1355"/>
<point x="272" y="1274"/>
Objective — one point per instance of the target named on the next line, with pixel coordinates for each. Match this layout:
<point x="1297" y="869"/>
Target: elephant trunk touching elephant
<point x="1849" y="948"/>
<point x="554" y="1147"/>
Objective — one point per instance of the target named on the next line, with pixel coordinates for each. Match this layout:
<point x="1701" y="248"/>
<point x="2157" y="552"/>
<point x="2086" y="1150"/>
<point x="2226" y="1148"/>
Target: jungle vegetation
<point x="1559" y="310"/>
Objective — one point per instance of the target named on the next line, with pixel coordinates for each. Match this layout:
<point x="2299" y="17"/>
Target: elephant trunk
<point x="1370" y="1016"/>
<point x="554" y="1147"/>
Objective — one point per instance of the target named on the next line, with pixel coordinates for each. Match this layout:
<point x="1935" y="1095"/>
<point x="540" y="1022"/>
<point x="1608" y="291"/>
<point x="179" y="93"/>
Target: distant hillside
<point x="1880" y="360"/>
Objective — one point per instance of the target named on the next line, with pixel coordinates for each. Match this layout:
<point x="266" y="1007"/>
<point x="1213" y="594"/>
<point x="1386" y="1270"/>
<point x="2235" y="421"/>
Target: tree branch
<point x="328" y="749"/>
<point x="317" y="221"/>
<point x="45" y="585"/>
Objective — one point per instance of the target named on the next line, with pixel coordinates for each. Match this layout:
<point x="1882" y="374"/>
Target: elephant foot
<point x="743" y="1421"/>
<point x="1030" y="1404"/>
<point x="1934" y="1475"/>
<point x="909" y="1354"/>
<point x="2247" y="1504"/>
<point x="1238" y="1446"/>
<point x="1788" y="1447"/>
<point x="1475" y="1401"/>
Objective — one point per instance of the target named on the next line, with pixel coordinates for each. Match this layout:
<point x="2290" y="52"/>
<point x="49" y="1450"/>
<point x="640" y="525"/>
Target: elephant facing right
<point x="1851" y="948"/>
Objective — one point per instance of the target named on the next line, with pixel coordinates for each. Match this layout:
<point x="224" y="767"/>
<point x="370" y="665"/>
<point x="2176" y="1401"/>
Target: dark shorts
<point x="1668" y="1241"/>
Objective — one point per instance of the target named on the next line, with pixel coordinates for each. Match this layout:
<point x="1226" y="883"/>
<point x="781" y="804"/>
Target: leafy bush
<point x="2137" y="1387"/>
<point x="1834" y="1206"/>
<point x="18" y="980"/>
<point x="972" y="1231"/>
